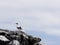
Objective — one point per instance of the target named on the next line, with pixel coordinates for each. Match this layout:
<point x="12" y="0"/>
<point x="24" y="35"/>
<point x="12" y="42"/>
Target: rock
<point x="11" y="37"/>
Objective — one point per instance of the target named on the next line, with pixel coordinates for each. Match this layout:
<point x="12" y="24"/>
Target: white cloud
<point x="55" y="32"/>
<point x="54" y="3"/>
<point x="30" y="3"/>
<point x="32" y="13"/>
<point x="44" y="21"/>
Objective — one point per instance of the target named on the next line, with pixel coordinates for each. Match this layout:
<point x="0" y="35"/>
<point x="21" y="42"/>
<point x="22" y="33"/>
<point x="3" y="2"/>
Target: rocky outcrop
<point x="17" y="38"/>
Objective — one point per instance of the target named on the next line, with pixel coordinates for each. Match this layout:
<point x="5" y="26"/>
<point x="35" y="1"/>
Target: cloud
<point x="30" y="3"/>
<point x="47" y="22"/>
<point x="43" y="21"/>
<point x="54" y="32"/>
<point x="34" y="14"/>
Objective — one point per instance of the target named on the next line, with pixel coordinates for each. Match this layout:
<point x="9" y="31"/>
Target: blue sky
<point x="39" y="18"/>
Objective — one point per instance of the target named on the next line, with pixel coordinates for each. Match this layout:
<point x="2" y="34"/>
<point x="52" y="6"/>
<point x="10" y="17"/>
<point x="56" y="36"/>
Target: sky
<point x="39" y="18"/>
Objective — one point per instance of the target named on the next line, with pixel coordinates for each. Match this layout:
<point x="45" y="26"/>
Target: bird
<point x="18" y="27"/>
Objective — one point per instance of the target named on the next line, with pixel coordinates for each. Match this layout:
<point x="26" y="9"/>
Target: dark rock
<point x="21" y="37"/>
